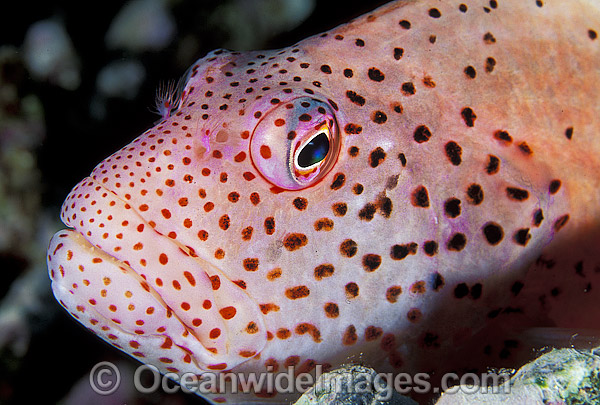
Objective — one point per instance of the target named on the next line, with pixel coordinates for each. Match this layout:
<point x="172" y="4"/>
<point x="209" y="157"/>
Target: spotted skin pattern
<point x="459" y="192"/>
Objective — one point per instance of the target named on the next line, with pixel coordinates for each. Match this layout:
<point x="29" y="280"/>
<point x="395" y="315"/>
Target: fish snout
<point x="144" y="293"/>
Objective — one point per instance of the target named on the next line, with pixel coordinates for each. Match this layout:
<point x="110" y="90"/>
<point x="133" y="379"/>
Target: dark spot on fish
<point x="367" y="212"/>
<point x="454" y="152"/>
<point x="348" y="73"/>
<point x="326" y="69"/>
<point x="592" y="34"/>
<point x="438" y="282"/>
<point x="493" y="233"/>
<point x="359" y="42"/>
<point x="371" y="262"/>
<point x="488" y="38"/>
<point x="434" y="13"/>
<point x="402" y="159"/>
<point x="554" y="186"/>
<point x="461" y="290"/>
<point x="493" y="165"/>
<point x="476" y="291"/>
<point x="517" y="194"/>
<point x="474" y="194"/>
<point x="355" y="98"/>
<point x="376" y="75"/>
<point x="379" y="117"/>
<point x="348" y="248"/>
<point x="560" y="222"/>
<point x="468" y="116"/>
<point x="490" y="63"/>
<point x="408" y="88"/>
<point x="470" y="72"/>
<point x="422" y="134"/>
<point x="399" y="252"/>
<point x="457" y="242"/>
<point x="420" y="197"/>
<point x="452" y="207"/>
<point x="338" y="181"/>
<point x="352" y="129"/>
<point x="398" y="53"/>
<point x="430" y="247"/>
<point x="569" y="133"/>
<point x="503" y="137"/>
<point x="522" y="236"/>
<point x="405" y="24"/>
<point x="376" y="157"/>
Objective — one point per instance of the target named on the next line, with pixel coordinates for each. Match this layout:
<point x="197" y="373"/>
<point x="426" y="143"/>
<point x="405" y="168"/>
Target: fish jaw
<point x="143" y="293"/>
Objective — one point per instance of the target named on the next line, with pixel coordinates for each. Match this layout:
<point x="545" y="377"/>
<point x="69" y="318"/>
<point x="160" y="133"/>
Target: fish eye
<point x="296" y="143"/>
<point x="313" y="152"/>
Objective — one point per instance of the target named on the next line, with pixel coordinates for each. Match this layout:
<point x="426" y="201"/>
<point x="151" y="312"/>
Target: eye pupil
<point x="314" y="151"/>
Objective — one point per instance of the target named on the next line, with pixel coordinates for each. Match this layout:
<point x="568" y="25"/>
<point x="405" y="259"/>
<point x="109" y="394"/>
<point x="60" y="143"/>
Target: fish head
<point x="329" y="201"/>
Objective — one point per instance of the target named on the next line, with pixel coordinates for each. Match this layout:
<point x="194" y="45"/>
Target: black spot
<point x="462" y="8"/>
<point x="461" y="290"/>
<point x="592" y="34"/>
<point x="494" y="313"/>
<point x="554" y="186"/>
<point x="339" y="209"/>
<point x="569" y="133"/>
<point x="457" y="242"/>
<point x="488" y="38"/>
<point x="493" y="3"/>
<point x="516" y="288"/>
<point x="493" y="233"/>
<point x="493" y="165"/>
<point x="422" y="134"/>
<point x="468" y="116"/>
<point x="326" y="69"/>
<point x="525" y="148"/>
<point x="454" y="152"/>
<point x="560" y="222"/>
<point x="579" y="268"/>
<point x="358" y="189"/>
<point x="359" y="42"/>
<point x="379" y="117"/>
<point x="367" y="212"/>
<point x="355" y="98"/>
<point x="476" y="291"/>
<point x="398" y="108"/>
<point x="555" y="292"/>
<point x="434" y="13"/>
<point x="522" y="236"/>
<point x="348" y="73"/>
<point x="420" y="197"/>
<point x="338" y="181"/>
<point x="352" y="128"/>
<point x="475" y="194"/>
<point x="385" y="206"/>
<point x="305" y="118"/>
<point x="490" y="63"/>
<point x="405" y="24"/>
<point x="371" y="262"/>
<point x="398" y="52"/>
<point x="353" y="151"/>
<point x="438" y="282"/>
<point x="430" y="247"/>
<point x="503" y="136"/>
<point x="376" y="157"/>
<point x="376" y="75"/>
<point x="399" y="252"/>
<point x="408" y="89"/>
<point x="470" y="72"/>
<point x="432" y="39"/>
<point x="402" y="159"/>
<point x="517" y="194"/>
<point x="452" y="207"/>
<point x="539" y="3"/>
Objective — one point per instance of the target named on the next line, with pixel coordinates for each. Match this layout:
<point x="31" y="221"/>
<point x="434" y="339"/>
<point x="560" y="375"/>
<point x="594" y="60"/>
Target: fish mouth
<point x="144" y="293"/>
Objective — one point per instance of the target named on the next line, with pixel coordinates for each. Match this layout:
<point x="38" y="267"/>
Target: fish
<point x="400" y="192"/>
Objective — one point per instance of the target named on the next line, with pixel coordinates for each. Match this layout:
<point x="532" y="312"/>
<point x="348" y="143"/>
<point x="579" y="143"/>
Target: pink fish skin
<point x="396" y="192"/>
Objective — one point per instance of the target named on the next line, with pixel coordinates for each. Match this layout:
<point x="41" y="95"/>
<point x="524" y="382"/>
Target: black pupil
<point x="314" y="151"/>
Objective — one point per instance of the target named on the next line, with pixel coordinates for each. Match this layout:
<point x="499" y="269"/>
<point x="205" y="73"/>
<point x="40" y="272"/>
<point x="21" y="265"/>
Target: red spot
<point x="216" y="282"/>
<point x="249" y="176"/>
<point x="163" y="259"/>
<point x="240" y="157"/>
<point x="190" y="278"/>
<point x="227" y="312"/>
<point x="215" y="333"/>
